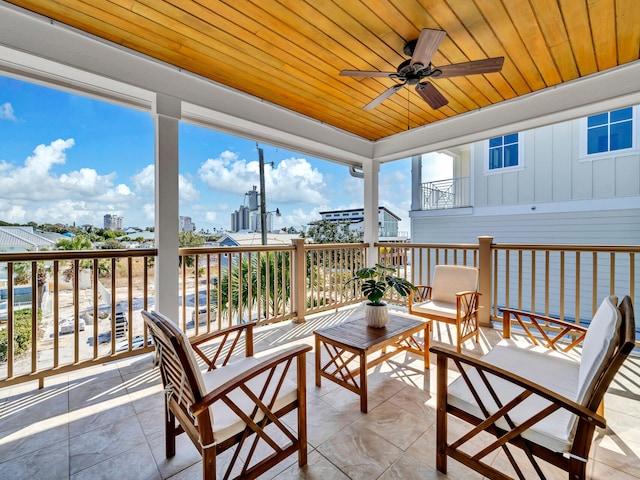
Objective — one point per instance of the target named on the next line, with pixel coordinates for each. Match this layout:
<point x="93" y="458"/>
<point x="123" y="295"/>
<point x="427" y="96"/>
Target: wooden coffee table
<point x="353" y="340"/>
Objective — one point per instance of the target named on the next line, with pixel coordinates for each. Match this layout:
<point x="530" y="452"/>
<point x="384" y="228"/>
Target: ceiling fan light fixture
<point x="419" y="67"/>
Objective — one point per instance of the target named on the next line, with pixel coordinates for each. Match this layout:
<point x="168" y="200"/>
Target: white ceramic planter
<point x="376" y="315"/>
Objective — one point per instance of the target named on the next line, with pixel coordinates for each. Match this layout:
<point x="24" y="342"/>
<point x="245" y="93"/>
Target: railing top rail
<point x="573" y="248"/>
<point x="329" y="246"/>
<point x="51" y="255"/>
<point x="234" y="249"/>
<point x="456" y="246"/>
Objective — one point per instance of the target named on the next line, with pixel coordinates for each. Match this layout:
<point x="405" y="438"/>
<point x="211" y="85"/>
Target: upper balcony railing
<point x="61" y="311"/>
<point x="449" y="193"/>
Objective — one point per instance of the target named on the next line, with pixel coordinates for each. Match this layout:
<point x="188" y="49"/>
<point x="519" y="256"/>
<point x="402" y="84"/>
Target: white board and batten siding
<point x="556" y="196"/>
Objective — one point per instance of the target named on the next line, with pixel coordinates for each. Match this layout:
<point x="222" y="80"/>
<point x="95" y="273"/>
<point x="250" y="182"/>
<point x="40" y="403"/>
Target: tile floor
<point x="106" y="422"/>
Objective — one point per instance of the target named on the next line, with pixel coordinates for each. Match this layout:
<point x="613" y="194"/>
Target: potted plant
<point x="375" y="282"/>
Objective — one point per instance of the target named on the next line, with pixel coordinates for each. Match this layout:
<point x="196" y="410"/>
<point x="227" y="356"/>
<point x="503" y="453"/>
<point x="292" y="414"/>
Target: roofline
<point x="361" y="210"/>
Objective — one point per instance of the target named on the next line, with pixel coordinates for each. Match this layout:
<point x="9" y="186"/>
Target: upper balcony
<point x="448" y="193"/>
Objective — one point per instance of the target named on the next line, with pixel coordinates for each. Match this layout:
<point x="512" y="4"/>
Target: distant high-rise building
<point x="240" y="219"/>
<point x="186" y="224"/>
<point x="256" y="223"/>
<point x="112" y="222"/>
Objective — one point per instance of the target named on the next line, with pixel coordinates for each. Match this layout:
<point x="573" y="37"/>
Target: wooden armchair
<point x="232" y="402"/>
<point x="452" y="298"/>
<point x="540" y="398"/>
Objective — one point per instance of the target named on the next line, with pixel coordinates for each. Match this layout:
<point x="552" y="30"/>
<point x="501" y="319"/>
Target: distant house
<point x="255" y="238"/>
<point x="22" y="239"/>
<point x="387" y="220"/>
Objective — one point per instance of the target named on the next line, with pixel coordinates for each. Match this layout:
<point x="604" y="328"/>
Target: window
<point x="504" y="152"/>
<point x="610" y="131"/>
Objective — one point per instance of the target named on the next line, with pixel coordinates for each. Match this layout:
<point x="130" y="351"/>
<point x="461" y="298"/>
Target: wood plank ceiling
<point x="290" y="52"/>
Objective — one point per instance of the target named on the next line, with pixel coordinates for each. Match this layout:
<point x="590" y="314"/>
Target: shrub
<point x="22" y="334"/>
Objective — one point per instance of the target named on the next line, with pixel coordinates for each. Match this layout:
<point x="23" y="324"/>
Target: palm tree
<point x="264" y="269"/>
<point x="79" y="242"/>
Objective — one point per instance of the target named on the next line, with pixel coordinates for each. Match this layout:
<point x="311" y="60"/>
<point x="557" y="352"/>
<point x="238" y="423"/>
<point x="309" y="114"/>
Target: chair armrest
<point x="240" y="381"/>
<point x="468" y="292"/>
<point x="421" y="294"/>
<point x="230" y="339"/>
<point x="527" y="385"/>
<point x="539" y="321"/>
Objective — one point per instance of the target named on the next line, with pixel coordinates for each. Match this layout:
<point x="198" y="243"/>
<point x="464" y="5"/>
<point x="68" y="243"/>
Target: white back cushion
<point x="598" y="346"/>
<point x="451" y="279"/>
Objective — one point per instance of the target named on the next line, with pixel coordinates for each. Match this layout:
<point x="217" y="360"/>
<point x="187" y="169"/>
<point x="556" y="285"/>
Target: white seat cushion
<point x="225" y="422"/>
<point x="437" y="308"/>
<point x="553" y="370"/>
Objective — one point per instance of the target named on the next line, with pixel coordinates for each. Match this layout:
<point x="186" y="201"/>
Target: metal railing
<point x="449" y="193"/>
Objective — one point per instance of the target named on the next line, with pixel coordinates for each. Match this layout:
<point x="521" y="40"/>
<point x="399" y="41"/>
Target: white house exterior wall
<point x="553" y="171"/>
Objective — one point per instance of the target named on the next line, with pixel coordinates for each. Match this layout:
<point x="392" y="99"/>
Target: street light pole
<point x="263" y="203"/>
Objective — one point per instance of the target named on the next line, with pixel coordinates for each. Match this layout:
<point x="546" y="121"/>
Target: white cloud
<point x="6" y="112"/>
<point x="436" y="166"/>
<point x="292" y="180"/>
<point x="34" y="192"/>
<point x="144" y="182"/>
<point x="149" y="211"/>
<point x="302" y="217"/>
<point x="187" y="190"/>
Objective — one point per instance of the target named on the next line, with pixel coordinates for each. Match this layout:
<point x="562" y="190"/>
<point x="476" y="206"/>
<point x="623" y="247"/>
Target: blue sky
<point x="70" y="159"/>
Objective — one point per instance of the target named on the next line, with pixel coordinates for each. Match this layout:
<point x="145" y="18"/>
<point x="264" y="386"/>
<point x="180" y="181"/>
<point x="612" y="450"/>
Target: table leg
<point x="427" y="344"/>
<point x="318" y="376"/>
<point x="363" y="383"/>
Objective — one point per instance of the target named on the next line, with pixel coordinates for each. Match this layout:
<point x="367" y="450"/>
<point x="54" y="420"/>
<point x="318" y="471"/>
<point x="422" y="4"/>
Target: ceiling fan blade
<point x="427" y="45"/>
<point x="362" y="73"/>
<point x="382" y="97"/>
<point x="488" y="65"/>
<point x="431" y="95"/>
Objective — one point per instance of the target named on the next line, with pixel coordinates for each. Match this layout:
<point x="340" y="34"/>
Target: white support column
<point x="166" y="116"/>
<point x="371" y="173"/>
<point x="416" y="183"/>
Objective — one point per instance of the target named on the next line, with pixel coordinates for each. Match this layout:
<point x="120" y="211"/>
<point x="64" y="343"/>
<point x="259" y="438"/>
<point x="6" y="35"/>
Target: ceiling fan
<point x="419" y="67"/>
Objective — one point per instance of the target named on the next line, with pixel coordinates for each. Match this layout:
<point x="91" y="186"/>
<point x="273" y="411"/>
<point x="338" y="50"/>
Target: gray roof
<point x="255" y="238"/>
<point x="23" y="238"/>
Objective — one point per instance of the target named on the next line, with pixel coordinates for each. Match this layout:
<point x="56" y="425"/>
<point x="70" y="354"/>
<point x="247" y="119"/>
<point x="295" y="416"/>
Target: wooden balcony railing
<point x="564" y="281"/>
<point x="83" y="310"/>
<point x="61" y="311"/>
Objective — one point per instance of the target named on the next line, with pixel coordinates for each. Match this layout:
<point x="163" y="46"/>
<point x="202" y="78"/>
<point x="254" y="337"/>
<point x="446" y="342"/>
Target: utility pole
<point x="263" y="203"/>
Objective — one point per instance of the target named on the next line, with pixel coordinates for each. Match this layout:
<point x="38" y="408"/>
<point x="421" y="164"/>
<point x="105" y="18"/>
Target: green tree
<point x="22" y="334"/>
<point x="112" y="244"/>
<point x="326" y="231"/>
<point x="79" y="242"/>
<point x="189" y="239"/>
